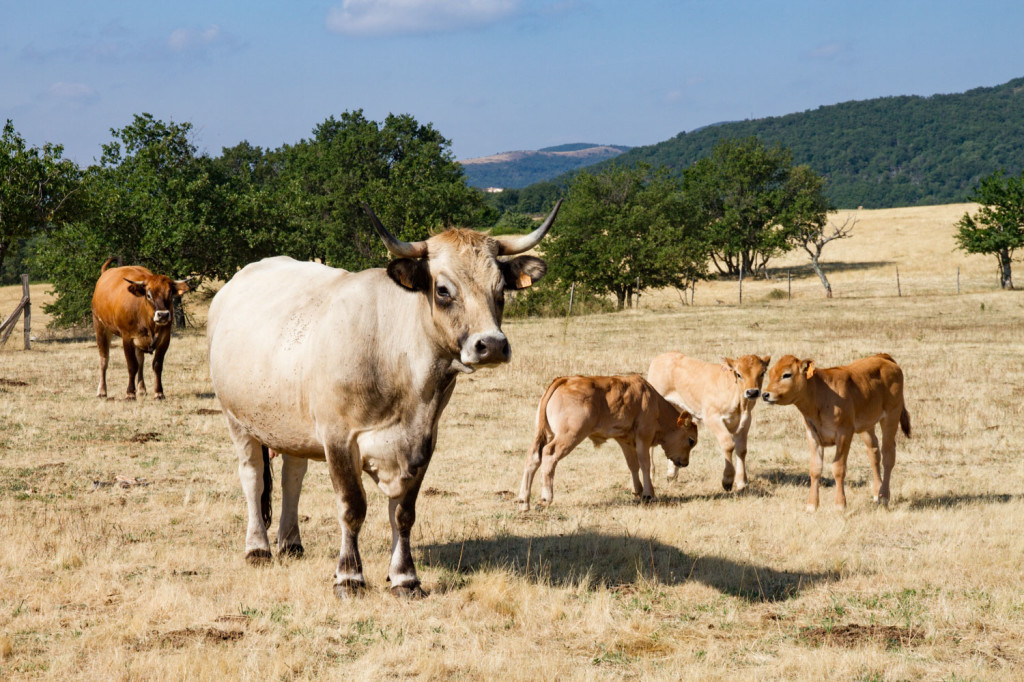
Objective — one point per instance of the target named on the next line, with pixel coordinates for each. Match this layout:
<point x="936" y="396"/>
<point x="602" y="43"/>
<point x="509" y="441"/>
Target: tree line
<point x="153" y="200"/>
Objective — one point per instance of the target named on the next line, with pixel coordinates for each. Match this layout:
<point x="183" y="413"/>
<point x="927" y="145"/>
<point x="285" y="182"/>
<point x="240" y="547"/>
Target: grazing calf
<point x="838" y="402"/>
<point x="625" y="408"/>
<point x="133" y="303"/>
<point x="721" y="396"/>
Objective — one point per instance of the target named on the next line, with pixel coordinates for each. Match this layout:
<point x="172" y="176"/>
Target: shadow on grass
<point x="783" y="477"/>
<point x="617" y="561"/>
<point x="799" y="271"/>
<point x="960" y="500"/>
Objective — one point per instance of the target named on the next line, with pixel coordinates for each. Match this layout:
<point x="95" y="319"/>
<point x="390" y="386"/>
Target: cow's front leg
<point x="346" y="478"/>
<point x="740" y="451"/>
<point x="643" y="455"/>
<point x="103" y="344"/>
<point x="839" y="467"/>
<point x="140" y="360"/>
<point x="817" y="462"/>
<point x="250" y="473"/>
<point x="133" y="367"/>
<point x="633" y="462"/>
<point x="158" y="369"/>
<point x="293" y="470"/>
<point x="402" y="513"/>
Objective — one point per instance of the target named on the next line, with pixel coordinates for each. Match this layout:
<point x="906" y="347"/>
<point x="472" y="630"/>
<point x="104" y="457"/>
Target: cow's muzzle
<point x="751" y="393"/>
<point x="162" y="316"/>
<point x="769" y="398"/>
<point x="486" y="349"/>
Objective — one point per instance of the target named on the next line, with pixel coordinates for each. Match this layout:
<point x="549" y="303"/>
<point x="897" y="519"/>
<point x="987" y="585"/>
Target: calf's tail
<point x="268" y="487"/>
<point x="905" y="422"/>
<point x="542" y="417"/>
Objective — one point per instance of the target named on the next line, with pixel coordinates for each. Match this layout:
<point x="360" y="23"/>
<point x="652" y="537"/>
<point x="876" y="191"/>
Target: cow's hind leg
<point x="533" y="459"/>
<point x="559" y="447"/>
<point x="874" y="458"/>
<point x="293" y="470"/>
<point x="889" y="424"/>
<point x="843" y="441"/>
<point x="251" y="474"/>
<point x="103" y="344"/>
<point x="347" y="480"/>
<point x="402" y="514"/>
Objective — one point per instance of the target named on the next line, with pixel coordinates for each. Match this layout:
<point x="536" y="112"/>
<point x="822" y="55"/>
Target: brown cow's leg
<point x="133" y="367"/>
<point x="839" y="467"/>
<point x="250" y="473"/>
<point x="728" y="444"/>
<point x="103" y="344"/>
<point x="643" y="455"/>
<point x="402" y="514"/>
<point x="347" y="480"/>
<point x="158" y="368"/>
<point x="633" y="462"/>
<point x="533" y="459"/>
<point x="140" y="358"/>
<point x="889" y="426"/>
<point x="874" y="457"/>
<point x="817" y="461"/>
<point x="293" y="470"/>
<point x="558" y="448"/>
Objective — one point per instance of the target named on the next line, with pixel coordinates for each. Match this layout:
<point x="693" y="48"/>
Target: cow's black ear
<point x="409" y="273"/>
<point x="135" y="288"/>
<point x="522" y="271"/>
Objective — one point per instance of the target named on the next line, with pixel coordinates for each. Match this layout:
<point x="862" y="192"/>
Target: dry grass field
<point x="122" y="523"/>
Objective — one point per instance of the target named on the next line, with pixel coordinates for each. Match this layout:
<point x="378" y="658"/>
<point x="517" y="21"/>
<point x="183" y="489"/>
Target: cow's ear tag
<point x="524" y="281"/>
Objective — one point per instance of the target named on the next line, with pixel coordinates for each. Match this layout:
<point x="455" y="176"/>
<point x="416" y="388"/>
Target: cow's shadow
<point x="962" y="499"/>
<point x="613" y="561"/>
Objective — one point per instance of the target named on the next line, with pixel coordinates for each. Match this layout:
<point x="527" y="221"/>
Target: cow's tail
<point x="106" y="263"/>
<point x="905" y="422"/>
<point x="268" y="487"/>
<point x="542" y="417"/>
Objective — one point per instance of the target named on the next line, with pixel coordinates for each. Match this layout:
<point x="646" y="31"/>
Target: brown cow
<point x="133" y="303"/>
<point x="720" y="395"/>
<point x="838" y="402"/>
<point x="625" y="408"/>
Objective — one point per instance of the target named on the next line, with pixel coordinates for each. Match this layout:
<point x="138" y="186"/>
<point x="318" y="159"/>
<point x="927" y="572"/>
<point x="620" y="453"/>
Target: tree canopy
<point x="998" y="226"/>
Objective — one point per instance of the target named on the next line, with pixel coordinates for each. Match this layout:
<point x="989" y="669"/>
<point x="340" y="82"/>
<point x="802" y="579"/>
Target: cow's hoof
<point x="292" y="552"/>
<point x="130" y="396"/>
<point x="882" y="502"/>
<point x="410" y="591"/>
<point x="646" y="499"/>
<point x="347" y="589"/>
<point x="727" y="485"/>
<point x="258" y="557"/>
<point x="159" y="396"/>
<point x="811" y="508"/>
<point x="524" y="506"/>
<point x="101" y="395"/>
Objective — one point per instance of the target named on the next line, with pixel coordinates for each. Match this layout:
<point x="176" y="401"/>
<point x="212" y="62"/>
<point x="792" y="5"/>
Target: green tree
<point x="998" y="226"/>
<point x="37" y="189"/>
<point x="152" y="201"/>
<point x="621" y="232"/>
<point x="751" y="203"/>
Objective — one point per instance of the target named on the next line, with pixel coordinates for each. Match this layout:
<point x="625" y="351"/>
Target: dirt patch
<point x="144" y="437"/>
<point x="854" y="635"/>
<point x="176" y="639"/>
<point x="436" y="492"/>
<point x="206" y="410"/>
<point x="12" y="382"/>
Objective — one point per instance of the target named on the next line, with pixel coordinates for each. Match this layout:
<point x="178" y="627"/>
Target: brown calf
<point x="624" y="408"/>
<point x="133" y="303"/>
<point x="836" y="403"/>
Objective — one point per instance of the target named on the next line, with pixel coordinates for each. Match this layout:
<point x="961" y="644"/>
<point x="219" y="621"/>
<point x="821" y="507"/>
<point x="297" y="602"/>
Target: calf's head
<point x="678" y="442"/>
<point x="464" y="274"/>
<point x="748" y="371"/>
<point x="787" y="380"/>
<point x="159" y="292"/>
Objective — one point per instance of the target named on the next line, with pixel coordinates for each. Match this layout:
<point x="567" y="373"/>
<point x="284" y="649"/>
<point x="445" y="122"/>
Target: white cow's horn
<point x="509" y="246"/>
<point x="395" y="246"/>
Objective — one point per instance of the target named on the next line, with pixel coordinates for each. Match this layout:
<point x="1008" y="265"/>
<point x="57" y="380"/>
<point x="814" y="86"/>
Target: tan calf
<point x="721" y="396"/>
<point x="624" y="408"/>
<point x="838" y="402"/>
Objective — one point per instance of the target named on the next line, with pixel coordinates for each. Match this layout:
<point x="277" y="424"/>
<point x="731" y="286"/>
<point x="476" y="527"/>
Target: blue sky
<point x="491" y="75"/>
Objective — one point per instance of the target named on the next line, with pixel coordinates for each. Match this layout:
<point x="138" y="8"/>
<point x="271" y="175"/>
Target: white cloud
<point x="183" y="39"/>
<point x="71" y="92"/>
<point x="828" y="50"/>
<point x="393" y="17"/>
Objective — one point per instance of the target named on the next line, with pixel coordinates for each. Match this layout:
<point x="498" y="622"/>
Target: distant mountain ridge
<point x="513" y="170"/>
<point x="879" y="153"/>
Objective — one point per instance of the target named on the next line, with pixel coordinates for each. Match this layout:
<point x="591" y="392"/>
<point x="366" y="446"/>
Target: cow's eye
<point x="442" y="293"/>
<point x="787" y="375"/>
<point x="692" y="442"/>
<point x="149" y="296"/>
<point x="738" y="375"/>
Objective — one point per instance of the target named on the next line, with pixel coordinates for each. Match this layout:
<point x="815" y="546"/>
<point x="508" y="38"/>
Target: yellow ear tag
<point x="524" y="281"/>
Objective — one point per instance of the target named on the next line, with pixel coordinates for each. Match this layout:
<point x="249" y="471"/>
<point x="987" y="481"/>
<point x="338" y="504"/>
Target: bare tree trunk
<point x="1005" y="276"/>
<point x="620" y="294"/>
<point x="821" y="275"/>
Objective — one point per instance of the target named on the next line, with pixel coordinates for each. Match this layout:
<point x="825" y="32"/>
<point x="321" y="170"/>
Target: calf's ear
<point x="135" y="288"/>
<point x="807" y="367"/>
<point x="409" y="273"/>
<point x="522" y="271"/>
<point x="727" y="364"/>
<point x="766" y="359"/>
<point x="181" y="286"/>
<point x="685" y="419"/>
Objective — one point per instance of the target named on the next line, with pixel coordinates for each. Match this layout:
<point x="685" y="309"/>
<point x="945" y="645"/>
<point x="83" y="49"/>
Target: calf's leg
<point x="103" y="344"/>
<point x="560" y="446"/>
<point x="839" y="467"/>
<point x="817" y="461"/>
<point x="889" y="424"/>
<point x="874" y="458"/>
<point x="533" y="459"/>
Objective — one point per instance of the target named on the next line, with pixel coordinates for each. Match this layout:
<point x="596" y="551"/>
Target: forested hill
<point x="522" y="168"/>
<point x="885" y="152"/>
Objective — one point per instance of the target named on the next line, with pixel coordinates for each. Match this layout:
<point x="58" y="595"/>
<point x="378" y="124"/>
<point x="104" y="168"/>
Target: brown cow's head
<point x="159" y="292"/>
<point x="678" y="442"/>
<point x="462" y="274"/>
<point x="787" y="380"/>
<point x="748" y="371"/>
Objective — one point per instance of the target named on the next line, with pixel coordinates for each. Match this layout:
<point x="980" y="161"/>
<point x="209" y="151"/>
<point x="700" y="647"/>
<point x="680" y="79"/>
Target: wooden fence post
<point x="741" y="283"/>
<point x="789" y="284"/>
<point x="23" y="308"/>
<point x="899" y="291"/>
<point x="958" y="280"/>
<point x="28" y="311"/>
